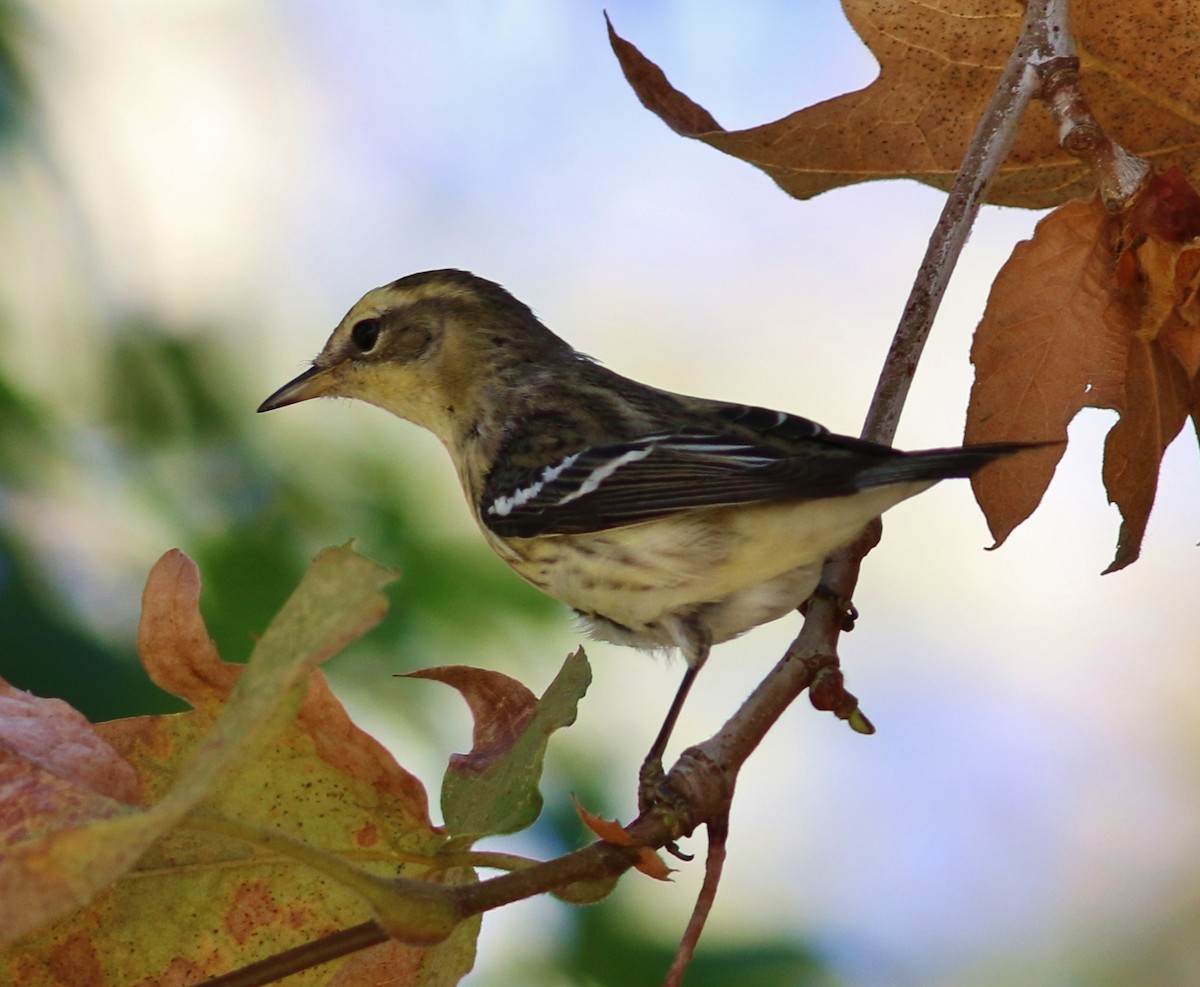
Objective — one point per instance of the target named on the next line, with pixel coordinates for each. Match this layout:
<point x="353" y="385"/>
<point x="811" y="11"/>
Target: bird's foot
<point x="656" y="796"/>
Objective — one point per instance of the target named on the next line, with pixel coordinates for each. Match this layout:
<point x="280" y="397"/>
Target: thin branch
<point x="1119" y="174"/>
<point x="990" y="145"/>
<point x="714" y="864"/>
<point x="311" y="954"/>
<point x="815" y="648"/>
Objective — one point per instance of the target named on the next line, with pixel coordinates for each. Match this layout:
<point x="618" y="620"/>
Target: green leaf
<point x="494" y="789"/>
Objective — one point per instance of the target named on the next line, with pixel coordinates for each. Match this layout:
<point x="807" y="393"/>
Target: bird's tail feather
<point x="942" y="464"/>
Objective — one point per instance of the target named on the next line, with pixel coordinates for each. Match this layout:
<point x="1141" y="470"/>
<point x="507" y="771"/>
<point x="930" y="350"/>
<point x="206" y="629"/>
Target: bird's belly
<point x="722" y="571"/>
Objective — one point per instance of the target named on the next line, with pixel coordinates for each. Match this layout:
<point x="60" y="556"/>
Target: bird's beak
<point x="314" y="382"/>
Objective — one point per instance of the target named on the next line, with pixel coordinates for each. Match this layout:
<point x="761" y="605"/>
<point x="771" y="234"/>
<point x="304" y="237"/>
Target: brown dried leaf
<point x="1050" y="343"/>
<point x="938" y="66"/>
<point x="1095" y="311"/>
<point x="1159" y="396"/>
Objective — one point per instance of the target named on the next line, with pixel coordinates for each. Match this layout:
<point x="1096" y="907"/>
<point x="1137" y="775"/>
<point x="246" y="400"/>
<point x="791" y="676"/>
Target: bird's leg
<point x="651" y="775"/>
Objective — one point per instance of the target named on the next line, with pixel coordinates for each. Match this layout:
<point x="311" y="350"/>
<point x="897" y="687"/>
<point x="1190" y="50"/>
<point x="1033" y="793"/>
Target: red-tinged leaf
<point x="501" y="708"/>
<point x="185" y="759"/>
<point x="611" y="831"/>
<point x="53" y="736"/>
<point x="1166" y="208"/>
<point x="57" y="776"/>
<point x="494" y="789"/>
<point x="316" y="779"/>
<point x="1051" y="342"/>
<point x="1159" y="398"/>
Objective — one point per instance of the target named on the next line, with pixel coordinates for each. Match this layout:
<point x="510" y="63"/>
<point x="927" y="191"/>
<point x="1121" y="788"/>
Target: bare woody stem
<point x="1045" y="41"/>
<point x="716" y="762"/>
<point x="1039" y="43"/>
<point x="1119" y="174"/>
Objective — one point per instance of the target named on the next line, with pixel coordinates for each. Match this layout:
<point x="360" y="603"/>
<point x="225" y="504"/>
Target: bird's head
<point x="429" y="348"/>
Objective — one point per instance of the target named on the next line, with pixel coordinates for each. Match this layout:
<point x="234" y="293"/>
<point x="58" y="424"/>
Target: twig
<point x="1119" y="174"/>
<point x="817" y="641"/>
<point x="815" y="648"/>
<point x="714" y="864"/>
<point x="989" y="146"/>
<point x="311" y="954"/>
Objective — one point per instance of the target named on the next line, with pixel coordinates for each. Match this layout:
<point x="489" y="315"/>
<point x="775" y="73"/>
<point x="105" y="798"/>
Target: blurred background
<point x="192" y="192"/>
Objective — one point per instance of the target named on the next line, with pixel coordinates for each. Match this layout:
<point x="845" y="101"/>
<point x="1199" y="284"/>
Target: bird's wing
<point x="762" y="456"/>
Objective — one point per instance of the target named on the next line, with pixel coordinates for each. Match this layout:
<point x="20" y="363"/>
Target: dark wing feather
<point x="761" y="456"/>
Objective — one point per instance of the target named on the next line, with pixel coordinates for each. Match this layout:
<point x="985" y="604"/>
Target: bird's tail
<point x="942" y="464"/>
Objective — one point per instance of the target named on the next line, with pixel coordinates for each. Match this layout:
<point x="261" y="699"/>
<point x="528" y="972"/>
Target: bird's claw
<point x="655" y="795"/>
<point x="845" y="607"/>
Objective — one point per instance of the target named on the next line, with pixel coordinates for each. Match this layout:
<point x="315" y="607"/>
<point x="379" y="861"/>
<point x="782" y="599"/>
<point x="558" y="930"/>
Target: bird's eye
<point x="365" y="334"/>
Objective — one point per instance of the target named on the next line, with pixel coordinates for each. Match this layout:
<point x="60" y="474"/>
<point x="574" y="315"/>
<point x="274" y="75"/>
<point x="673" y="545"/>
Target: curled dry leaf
<point x="938" y="66"/>
<point x="501" y="708"/>
<point x="51" y="735"/>
<point x="173" y="641"/>
<point x="1095" y="311"/>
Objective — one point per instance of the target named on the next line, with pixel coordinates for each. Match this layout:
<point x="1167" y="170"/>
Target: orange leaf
<point x="172" y="639"/>
<point x="611" y="831"/>
<point x="1050" y="343"/>
<point x="1159" y="396"/>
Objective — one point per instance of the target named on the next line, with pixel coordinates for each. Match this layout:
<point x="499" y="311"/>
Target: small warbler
<point x="662" y="520"/>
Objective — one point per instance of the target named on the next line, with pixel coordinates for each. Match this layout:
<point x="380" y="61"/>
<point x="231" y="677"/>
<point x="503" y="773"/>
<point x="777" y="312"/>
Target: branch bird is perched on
<point x="662" y="520"/>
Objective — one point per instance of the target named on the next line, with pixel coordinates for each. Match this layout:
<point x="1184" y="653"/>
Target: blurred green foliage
<point x="14" y="90"/>
<point x="592" y="957"/>
<point x="185" y="447"/>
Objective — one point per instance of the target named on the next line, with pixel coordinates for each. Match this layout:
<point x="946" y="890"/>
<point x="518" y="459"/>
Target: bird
<point x="662" y="520"/>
